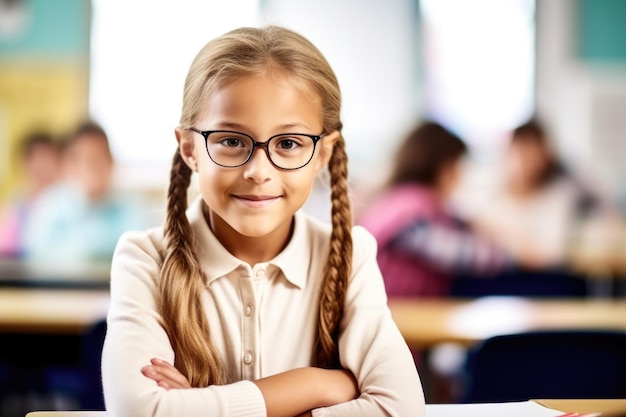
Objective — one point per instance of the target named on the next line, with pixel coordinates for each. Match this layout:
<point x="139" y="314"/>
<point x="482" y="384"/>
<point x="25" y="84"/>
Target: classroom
<point x="451" y="197"/>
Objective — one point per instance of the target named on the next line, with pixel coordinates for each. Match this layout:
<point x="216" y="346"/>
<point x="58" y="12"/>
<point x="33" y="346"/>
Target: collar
<point x="217" y="262"/>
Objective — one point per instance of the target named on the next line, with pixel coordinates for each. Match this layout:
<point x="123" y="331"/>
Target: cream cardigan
<point x="262" y="320"/>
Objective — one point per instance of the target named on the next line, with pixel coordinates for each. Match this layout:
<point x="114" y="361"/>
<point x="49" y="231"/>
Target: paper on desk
<point x="507" y="409"/>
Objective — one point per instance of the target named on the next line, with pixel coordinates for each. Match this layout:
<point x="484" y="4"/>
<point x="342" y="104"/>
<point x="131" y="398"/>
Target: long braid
<point x="180" y="289"/>
<point x="339" y="262"/>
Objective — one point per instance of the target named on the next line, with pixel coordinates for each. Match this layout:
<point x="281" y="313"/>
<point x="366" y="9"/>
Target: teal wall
<point x="602" y="30"/>
<point x="53" y="28"/>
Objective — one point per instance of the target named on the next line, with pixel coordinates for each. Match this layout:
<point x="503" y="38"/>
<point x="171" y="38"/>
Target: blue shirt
<point x="65" y="226"/>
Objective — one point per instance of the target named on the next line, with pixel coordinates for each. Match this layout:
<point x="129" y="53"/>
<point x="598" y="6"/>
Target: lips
<point x="256" y="201"/>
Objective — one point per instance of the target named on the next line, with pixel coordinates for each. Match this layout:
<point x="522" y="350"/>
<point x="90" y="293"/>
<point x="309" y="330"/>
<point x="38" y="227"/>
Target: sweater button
<point x="248" y="310"/>
<point x="248" y="358"/>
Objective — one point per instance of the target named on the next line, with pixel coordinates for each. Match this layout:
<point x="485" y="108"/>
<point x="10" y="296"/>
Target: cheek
<point x="212" y="185"/>
<point x="301" y="184"/>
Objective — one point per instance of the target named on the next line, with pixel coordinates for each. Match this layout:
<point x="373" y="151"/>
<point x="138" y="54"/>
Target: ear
<point x="326" y="150"/>
<point x="187" y="148"/>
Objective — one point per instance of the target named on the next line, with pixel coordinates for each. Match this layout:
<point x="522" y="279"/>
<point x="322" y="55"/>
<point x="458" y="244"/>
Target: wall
<point x="44" y="55"/>
<point x="581" y="84"/>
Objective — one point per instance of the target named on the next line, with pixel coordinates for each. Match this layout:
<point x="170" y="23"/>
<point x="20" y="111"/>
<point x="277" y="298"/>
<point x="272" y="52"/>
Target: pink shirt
<point x="405" y="275"/>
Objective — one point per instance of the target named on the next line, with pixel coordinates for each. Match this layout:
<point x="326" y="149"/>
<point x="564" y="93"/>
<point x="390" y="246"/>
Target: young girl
<point x="242" y="305"/>
<point x="422" y="243"/>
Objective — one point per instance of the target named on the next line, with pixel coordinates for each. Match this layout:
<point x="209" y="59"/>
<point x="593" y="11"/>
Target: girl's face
<point x="88" y="164"/>
<point x="526" y="161"/>
<point x="256" y="200"/>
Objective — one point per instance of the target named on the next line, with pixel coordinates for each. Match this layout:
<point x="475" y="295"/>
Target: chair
<point x="93" y="340"/>
<point x="565" y="364"/>
<point x="82" y="381"/>
<point x="525" y="283"/>
<point x="62" y="374"/>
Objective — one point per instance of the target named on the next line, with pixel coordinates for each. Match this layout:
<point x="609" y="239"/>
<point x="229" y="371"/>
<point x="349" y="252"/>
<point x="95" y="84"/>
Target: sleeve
<point x="372" y="347"/>
<point x="134" y="336"/>
<point x="451" y="248"/>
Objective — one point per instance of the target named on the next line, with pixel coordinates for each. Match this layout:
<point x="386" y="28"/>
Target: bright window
<point x="479" y="66"/>
<point x="141" y="51"/>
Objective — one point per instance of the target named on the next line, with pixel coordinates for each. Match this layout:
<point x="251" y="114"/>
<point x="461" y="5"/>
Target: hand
<point x="165" y="375"/>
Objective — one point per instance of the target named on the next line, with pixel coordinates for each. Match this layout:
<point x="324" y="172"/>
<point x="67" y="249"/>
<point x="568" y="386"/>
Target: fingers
<point x="165" y="375"/>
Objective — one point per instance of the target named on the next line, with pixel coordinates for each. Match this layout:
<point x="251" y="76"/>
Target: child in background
<point x="243" y="305"/>
<point x="80" y="219"/>
<point x="540" y="202"/>
<point x="41" y="161"/>
<point x="423" y="245"/>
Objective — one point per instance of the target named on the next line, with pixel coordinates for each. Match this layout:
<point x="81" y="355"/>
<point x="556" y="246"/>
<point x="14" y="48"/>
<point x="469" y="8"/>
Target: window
<point x="479" y="66"/>
<point x="141" y="51"/>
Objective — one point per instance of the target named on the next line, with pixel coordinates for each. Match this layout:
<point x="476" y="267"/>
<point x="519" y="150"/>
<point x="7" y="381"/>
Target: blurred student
<point x="41" y="163"/>
<point x="422" y="243"/>
<point x="535" y="210"/>
<point x="81" y="218"/>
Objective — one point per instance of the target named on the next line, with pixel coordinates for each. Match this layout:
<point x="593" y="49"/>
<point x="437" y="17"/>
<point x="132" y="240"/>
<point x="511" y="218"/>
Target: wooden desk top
<point x="51" y="310"/>
<point x="422" y="322"/>
<point x="609" y="408"/>
<point x="67" y="414"/>
<point x="425" y="323"/>
<point x="86" y="275"/>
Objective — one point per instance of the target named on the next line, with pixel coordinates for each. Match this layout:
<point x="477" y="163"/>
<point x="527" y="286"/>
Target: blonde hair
<point x="234" y="55"/>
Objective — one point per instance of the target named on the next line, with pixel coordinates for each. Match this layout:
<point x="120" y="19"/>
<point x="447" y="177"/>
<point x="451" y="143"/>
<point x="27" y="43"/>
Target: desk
<point x="609" y="408"/>
<point x="425" y="323"/>
<point x="30" y="310"/>
<point x="67" y="414"/>
<point x="78" y="275"/>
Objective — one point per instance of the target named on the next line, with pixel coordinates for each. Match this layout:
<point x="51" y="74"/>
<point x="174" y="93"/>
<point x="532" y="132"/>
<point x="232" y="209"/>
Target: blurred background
<point x="479" y="68"/>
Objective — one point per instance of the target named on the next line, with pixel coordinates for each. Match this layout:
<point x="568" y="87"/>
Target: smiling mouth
<point x="256" y="201"/>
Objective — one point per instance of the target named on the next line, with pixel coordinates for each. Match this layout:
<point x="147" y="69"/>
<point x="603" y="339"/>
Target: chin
<point x="254" y="231"/>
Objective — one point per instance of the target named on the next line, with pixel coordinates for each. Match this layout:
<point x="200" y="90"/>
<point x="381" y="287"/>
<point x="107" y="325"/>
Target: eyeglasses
<point x="286" y="151"/>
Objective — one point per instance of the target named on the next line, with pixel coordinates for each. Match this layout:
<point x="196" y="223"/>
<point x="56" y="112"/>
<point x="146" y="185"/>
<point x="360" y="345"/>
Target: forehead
<point x="41" y="148"/>
<point x="91" y="143"/>
<point x="264" y="100"/>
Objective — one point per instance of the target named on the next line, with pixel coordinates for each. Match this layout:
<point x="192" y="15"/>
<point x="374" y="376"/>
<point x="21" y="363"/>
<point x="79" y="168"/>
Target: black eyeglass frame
<point x="255" y="144"/>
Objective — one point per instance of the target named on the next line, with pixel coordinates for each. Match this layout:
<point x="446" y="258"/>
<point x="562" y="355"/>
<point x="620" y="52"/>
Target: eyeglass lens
<point x="288" y="151"/>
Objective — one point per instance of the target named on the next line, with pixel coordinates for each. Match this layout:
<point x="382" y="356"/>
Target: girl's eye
<point x="231" y="142"/>
<point x="287" y="144"/>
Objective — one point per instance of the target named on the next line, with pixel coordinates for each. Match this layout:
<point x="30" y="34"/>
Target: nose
<point x="259" y="168"/>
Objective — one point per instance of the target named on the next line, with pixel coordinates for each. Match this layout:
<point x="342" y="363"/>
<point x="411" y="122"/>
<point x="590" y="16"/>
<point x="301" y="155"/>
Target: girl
<point x="423" y="244"/>
<point x="536" y="208"/>
<point x="242" y="305"/>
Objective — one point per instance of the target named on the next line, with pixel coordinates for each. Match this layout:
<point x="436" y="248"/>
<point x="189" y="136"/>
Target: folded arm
<point x="288" y="394"/>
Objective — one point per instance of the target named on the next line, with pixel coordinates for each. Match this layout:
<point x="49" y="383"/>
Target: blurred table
<point x="598" y="251"/>
<point x="78" y="275"/>
<point x="425" y="323"/>
<point x="38" y="310"/>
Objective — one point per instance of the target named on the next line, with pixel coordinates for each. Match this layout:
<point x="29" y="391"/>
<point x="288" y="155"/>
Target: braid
<point x="181" y="286"/>
<point x="337" y="271"/>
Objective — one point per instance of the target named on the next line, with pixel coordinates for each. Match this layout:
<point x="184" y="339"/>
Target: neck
<point x="250" y="249"/>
